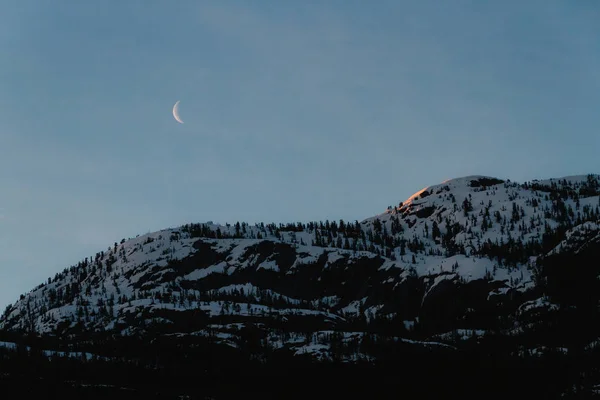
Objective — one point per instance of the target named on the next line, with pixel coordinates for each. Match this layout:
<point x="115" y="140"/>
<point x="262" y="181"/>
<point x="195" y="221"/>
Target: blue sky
<point x="293" y="110"/>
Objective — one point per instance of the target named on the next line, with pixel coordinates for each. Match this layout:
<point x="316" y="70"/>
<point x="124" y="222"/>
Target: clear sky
<point x="293" y="111"/>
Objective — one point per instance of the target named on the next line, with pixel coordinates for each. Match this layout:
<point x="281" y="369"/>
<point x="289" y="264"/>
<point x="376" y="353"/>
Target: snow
<point x="437" y="280"/>
<point x="334" y="256"/>
<point x="241" y="247"/>
<point x="539" y="303"/>
<point x="269" y="265"/>
<point x="409" y="325"/>
<point x="311" y="348"/>
<point x="203" y="273"/>
<point x="53" y="353"/>
<point x="571" y="179"/>
<point x="251" y="290"/>
<point x="577" y="237"/>
<point x="372" y="311"/>
<point x="541" y="350"/>
<point x="460" y="334"/>
<point x="428" y="344"/>
<point x="330" y="300"/>
<point x="8" y="345"/>
<point x="353" y="306"/>
<point x="147" y="258"/>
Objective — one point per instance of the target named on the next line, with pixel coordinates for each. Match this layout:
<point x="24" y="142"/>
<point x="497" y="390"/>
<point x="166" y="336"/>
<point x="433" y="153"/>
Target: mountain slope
<point x="455" y="265"/>
<point x="466" y="229"/>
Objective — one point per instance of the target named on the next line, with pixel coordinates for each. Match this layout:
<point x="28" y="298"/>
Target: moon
<point x="176" y="112"/>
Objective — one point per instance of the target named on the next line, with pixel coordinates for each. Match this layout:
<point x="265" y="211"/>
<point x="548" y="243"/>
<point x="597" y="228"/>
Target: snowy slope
<point x="464" y="231"/>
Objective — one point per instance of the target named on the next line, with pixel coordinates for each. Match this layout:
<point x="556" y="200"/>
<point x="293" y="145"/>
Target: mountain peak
<point x="455" y="183"/>
<point x="467" y="179"/>
<point x="475" y="236"/>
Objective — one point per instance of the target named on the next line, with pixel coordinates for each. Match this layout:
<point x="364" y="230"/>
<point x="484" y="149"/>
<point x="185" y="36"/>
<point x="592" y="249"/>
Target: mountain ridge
<point x="413" y="212"/>
<point x="469" y="261"/>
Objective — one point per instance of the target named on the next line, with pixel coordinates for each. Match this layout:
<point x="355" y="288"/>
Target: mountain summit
<point x="470" y="261"/>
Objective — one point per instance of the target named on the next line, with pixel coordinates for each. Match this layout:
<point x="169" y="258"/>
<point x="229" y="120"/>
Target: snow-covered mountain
<point x="452" y="263"/>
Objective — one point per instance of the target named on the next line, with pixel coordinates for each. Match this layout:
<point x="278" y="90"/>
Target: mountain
<point x="474" y="274"/>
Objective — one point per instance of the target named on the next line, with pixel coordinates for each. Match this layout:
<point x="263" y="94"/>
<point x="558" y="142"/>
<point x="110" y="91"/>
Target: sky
<point x="293" y="111"/>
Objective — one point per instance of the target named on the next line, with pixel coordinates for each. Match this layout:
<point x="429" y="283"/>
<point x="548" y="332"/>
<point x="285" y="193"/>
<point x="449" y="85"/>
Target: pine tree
<point x="435" y="230"/>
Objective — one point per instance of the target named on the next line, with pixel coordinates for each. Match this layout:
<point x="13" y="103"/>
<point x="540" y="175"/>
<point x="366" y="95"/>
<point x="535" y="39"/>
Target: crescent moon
<point x="176" y="112"/>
